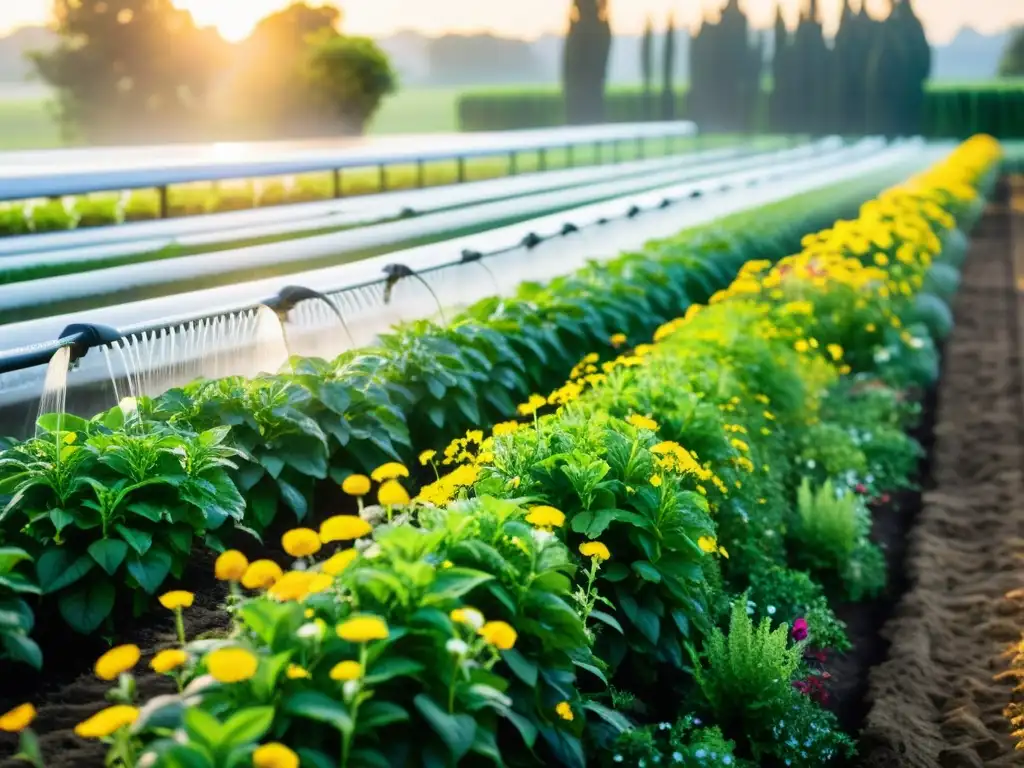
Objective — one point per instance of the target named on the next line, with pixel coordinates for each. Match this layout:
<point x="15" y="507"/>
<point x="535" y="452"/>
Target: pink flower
<point x="799" y="630"/>
<point x="860" y="488"/>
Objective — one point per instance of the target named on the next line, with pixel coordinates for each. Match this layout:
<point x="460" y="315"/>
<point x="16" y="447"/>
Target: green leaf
<point x="150" y="569"/>
<point x="616" y="720"/>
<point x="86" y="606"/>
<point x="203" y="727"/>
<point x="456" y="731"/>
<point x="58" y="568"/>
<point x="453" y="583"/>
<point x="152" y="512"/>
<point x="526" y="729"/>
<point x="644" y="620"/>
<point x="10" y="557"/>
<point x="614" y="572"/>
<point x="61" y="519"/>
<point x="293" y="498"/>
<point x="138" y="540"/>
<point x="313" y="758"/>
<point x="317" y="706"/>
<point x="521" y="667"/>
<point x="109" y="554"/>
<point x="377" y="714"/>
<point x="647" y="571"/>
<point x="387" y="669"/>
<point x="247" y="726"/>
<point x="22" y="649"/>
<point x="607" y="618"/>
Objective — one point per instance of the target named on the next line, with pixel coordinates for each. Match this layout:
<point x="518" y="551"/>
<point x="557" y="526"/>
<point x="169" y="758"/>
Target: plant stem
<point x="179" y="624"/>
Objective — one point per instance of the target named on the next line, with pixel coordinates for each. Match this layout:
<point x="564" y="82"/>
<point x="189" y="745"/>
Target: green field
<point x="27" y="123"/>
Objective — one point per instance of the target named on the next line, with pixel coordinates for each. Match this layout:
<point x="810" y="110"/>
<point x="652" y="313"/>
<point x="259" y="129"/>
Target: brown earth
<point x="934" y="701"/>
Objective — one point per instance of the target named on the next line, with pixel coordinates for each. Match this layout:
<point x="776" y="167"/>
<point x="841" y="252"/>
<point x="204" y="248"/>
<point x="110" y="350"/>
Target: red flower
<point x="799" y="630"/>
<point x="860" y="488"/>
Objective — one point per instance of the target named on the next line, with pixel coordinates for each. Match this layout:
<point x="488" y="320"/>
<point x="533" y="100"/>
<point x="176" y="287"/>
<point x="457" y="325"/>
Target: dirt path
<point x="934" y="701"/>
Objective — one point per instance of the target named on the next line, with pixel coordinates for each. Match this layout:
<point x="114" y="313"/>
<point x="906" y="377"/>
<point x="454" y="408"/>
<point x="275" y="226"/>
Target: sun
<point x="234" y="19"/>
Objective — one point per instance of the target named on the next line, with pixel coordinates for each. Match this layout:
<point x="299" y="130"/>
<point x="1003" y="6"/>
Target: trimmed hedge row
<point x="950" y="112"/>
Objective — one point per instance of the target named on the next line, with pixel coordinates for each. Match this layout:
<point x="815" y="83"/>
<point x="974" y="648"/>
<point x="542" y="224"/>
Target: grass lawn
<point x="26" y="124"/>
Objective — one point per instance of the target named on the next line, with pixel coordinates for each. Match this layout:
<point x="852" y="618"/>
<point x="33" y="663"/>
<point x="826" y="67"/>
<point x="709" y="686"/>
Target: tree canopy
<point x="585" y="61"/>
<point x="1012" y="63"/>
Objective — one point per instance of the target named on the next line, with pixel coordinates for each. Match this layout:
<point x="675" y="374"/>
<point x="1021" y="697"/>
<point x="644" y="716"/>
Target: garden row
<point x="110" y="509"/>
<point x="571" y="574"/>
<point x="951" y="112"/>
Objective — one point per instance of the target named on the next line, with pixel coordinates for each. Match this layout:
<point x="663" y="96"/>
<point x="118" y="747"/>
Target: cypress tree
<point x="780" y="101"/>
<point x="887" y="78"/>
<point x="696" y="99"/>
<point x="668" y="72"/>
<point x="1012" y="62"/>
<point x="585" y="61"/>
<point x="809" y="75"/>
<point x="647" y="69"/>
<point x="919" y="67"/>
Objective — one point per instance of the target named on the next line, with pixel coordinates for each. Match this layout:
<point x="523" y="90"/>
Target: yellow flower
<point x="339" y="562"/>
<point x="722" y="551"/>
<point x="343" y="528"/>
<point x="176" y="599"/>
<point x="301" y="542"/>
<point x="116" y="660"/>
<point x="346" y="670"/>
<point x="69" y="438"/>
<point x="471" y="617"/>
<point x="881" y="259"/>
<point x="545" y="517"/>
<point x="232" y="665"/>
<point x="801" y="346"/>
<point x="293" y="585"/>
<point x="656" y="481"/>
<point x="564" y="710"/>
<point x="356" y="485"/>
<point x="107" y="721"/>
<point x="167" y="660"/>
<point x="499" y="634"/>
<point x="707" y="544"/>
<point x="595" y="549"/>
<point x="362" y="629"/>
<point x="835" y="351"/>
<point x="392" y="494"/>
<point x="274" y="755"/>
<point x="531" y="406"/>
<point x="390" y="471"/>
<point x="617" y="340"/>
<point x="739" y="445"/>
<point x="319" y="583"/>
<point x="296" y="672"/>
<point x="261" y="574"/>
<point x="426" y="457"/>
<point x="505" y="428"/>
<point x="18" y="719"/>
<point x="642" y="422"/>
<point x="230" y="566"/>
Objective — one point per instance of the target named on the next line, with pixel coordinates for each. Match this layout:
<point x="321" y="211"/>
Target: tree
<point x="899" y="67"/>
<point x="585" y="61"/>
<point x="348" y="79"/>
<point x="809" y="76"/>
<point x="781" y="102"/>
<point x="919" y="67"/>
<point x="1012" y="63"/>
<point x="852" y="53"/>
<point x="130" y="70"/>
<point x="668" y="72"/>
<point x="647" y="68"/>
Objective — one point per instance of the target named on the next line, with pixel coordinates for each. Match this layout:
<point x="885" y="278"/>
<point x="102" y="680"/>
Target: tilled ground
<point x="934" y="701"/>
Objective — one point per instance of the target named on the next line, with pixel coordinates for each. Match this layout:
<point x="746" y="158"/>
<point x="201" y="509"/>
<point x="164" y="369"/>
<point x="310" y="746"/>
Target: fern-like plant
<point x="827" y="525"/>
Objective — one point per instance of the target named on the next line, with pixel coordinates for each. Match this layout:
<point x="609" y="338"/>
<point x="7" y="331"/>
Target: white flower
<point x="457" y="647"/>
<point x="541" y="537"/>
<point x="350" y="689"/>
<point x="311" y="631"/>
<point x="771" y="610"/>
<point x="677" y="757"/>
<point x="883" y="355"/>
<point x="617" y="758"/>
<point x="664" y="726"/>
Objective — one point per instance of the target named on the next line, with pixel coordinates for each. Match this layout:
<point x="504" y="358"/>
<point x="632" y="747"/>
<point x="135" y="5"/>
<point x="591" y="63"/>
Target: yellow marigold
<point x="230" y="566"/>
<point x="595" y="549"/>
<point x="642" y="422"/>
<point x="274" y="755"/>
<point x="176" y="599"/>
<point x="297" y="672"/>
<point x="531" y="406"/>
<point x="739" y="445"/>
<point x="362" y="629"/>
<point x="339" y="562"/>
<point x="117" y="660"/>
<point x="165" y="661"/>
<point x="107" y="721"/>
<point x="707" y="544"/>
<point x="426" y="457"/>
<point x="881" y="259"/>
<point x="617" y="340"/>
<point x="392" y="494"/>
<point x="389" y="471"/>
<point x="499" y="634"/>
<point x="319" y="583"/>
<point x="545" y="517"/>
<point x="356" y="485"/>
<point x="656" y="480"/>
<point x="505" y="428"/>
<point x="261" y="574"/>
<point x="801" y="345"/>
<point x="343" y="528"/>
<point x="470" y="617"/>
<point x="722" y="551"/>
<point x="564" y="710"/>
<point x="17" y="719"/>
<point x="293" y="585"/>
<point x="346" y="670"/>
<point x="232" y="665"/>
<point x="301" y="542"/>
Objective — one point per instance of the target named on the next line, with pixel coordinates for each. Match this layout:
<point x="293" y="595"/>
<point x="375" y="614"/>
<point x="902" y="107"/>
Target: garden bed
<point x="934" y="701"/>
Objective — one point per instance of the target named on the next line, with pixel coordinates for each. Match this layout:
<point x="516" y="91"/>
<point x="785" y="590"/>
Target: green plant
<point x="16" y="618"/>
<point x="684" y="742"/>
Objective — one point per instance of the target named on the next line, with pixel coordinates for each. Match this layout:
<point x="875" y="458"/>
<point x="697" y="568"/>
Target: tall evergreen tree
<point x="887" y="77"/>
<point x="809" y="74"/>
<point x="1012" y="63"/>
<point x="919" y="67"/>
<point x="647" y="68"/>
<point x="781" y="102"/>
<point x="851" y="58"/>
<point x="668" y="71"/>
<point x="585" y="61"/>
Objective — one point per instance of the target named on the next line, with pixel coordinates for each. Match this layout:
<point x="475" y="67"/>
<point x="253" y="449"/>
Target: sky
<point x="530" y="18"/>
